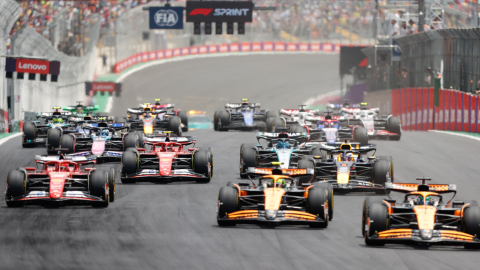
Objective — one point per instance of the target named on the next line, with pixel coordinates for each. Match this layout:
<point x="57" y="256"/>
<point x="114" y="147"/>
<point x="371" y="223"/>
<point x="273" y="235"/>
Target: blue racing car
<point x="242" y="116"/>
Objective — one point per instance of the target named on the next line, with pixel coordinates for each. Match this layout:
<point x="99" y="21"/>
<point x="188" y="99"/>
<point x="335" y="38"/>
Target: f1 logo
<point x="201" y="11"/>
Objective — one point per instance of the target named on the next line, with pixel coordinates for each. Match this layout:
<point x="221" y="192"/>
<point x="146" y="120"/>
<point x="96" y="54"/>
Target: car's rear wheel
<point x="129" y="166"/>
<point x="53" y="140"/>
<point x="360" y="135"/>
<point x="381" y="170"/>
<point x="99" y="188"/>
<point x="210" y="151"/>
<point x="317" y="198"/>
<point x="270" y="114"/>
<point x="131" y="140"/>
<point x="366" y="203"/>
<point x="393" y="125"/>
<point x="277" y="122"/>
<point x="68" y="142"/>
<point x="215" y="121"/>
<point x="224" y="120"/>
<point x="227" y="203"/>
<point x="16" y="186"/>
<point x="202" y="165"/>
<point x="30" y="132"/>
<point x="249" y="157"/>
<point x="174" y="125"/>
<point x="111" y="183"/>
<point x="305" y="164"/>
<point x="184" y="117"/>
<point x="378" y="215"/>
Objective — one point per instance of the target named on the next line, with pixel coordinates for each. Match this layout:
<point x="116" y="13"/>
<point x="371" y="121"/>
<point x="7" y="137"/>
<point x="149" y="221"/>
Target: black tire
<point x="98" y="184"/>
<point x="227" y="203"/>
<point x="390" y="161"/>
<point x="68" y="142"/>
<point x="215" y="121"/>
<point x="120" y="119"/>
<point x="472" y="224"/>
<point x="202" y="165"/>
<point x="131" y="140"/>
<point x="315" y="205"/>
<point x="224" y="117"/>
<point x="53" y="140"/>
<point x="270" y="114"/>
<point x="381" y="169"/>
<point x="129" y="166"/>
<point x="184" y="118"/>
<point x="315" y="151"/>
<point x="378" y="214"/>
<point x="16" y="185"/>
<point x="249" y="157"/>
<point x="174" y="125"/>
<point x="305" y="164"/>
<point x="366" y="203"/>
<point x="30" y="130"/>
<point x="329" y="188"/>
<point x="140" y="134"/>
<point x="210" y="151"/>
<point x="111" y="183"/>
<point x="277" y="122"/>
<point x="360" y="135"/>
<point x="393" y="125"/>
<point x="472" y="203"/>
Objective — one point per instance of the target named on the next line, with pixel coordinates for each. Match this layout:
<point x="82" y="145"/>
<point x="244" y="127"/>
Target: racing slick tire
<point x="174" y="125"/>
<point x="68" y="142"/>
<point x="227" y="203"/>
<point x="378" y="215"/>
<point x="305" y="164"/>
<point x="216" y="118"/>
<point x="184" y="118"/>
<point x="224" y="117"/>
<point x="329" y="189"/>
<point x="210" y="151"/>
<point x="299" y="129"/>
<point x="30" y="132"/>
<point x="471" y="221"/>
<point x="380" y="171"/>
<point x="360" y="135"/>
<point x="16" y="184"/>
<point x="315" y="151"/>
<point x="317" y="198"/>
<point x="390" y="160"/>
<point x="202" y="164"/>
<point x="366" y="203"/>
<point x="393" y="125"/>
<point x="270" y="114"/>
<point x="268" y="125"/>
<point x="99" y="188"/>
<point x="249" y="157"/>
<point x="129" y="166"/>
<point x="140" y="134"/>
<point x="111" y="183"/>
<point x="53" y="140"/>
<point x="131" y="140"/>
<point x="277" y="122"/>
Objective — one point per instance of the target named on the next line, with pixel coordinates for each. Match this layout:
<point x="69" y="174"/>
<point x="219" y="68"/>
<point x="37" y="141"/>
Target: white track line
<point x="457" y="134"/>
<point x="190" y="57"/>
<point x="2" y="141"/>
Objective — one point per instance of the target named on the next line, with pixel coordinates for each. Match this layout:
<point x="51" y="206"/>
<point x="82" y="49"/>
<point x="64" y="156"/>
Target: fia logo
<point x="167" y="18"/>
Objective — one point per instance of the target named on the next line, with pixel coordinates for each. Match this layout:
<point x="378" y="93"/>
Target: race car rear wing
<point x="253" y="171"/>
<point x="354" y="146"/>
<point x="414" y="187"/>
<point x="357" y="110"/>
<point x="238" y="105"/>
<point x="294" y="111"/>
<point x="268" y="136"/>
<point x="159" y="106"/>
<point x="80" y="159"/>
<point x="141" y="111"/>
<point x="83" y="108"/>
<point x="185" y="140"/>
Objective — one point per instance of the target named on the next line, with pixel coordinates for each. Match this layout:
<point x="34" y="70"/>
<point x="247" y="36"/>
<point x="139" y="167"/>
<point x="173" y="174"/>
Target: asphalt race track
<point x="158" y="226"/>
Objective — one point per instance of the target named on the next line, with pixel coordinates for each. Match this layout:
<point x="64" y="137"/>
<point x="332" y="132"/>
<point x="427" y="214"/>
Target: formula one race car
<point x="345" y="167"/>
<point x="386" y="127"/>
<point x="241" y="116"/>
<point x="60" y="180"/>
<point x="47" y="130"/>
<point x="80" y="110"/>
<point x="281" y="147"/>
<point x="148" y="118"/>
<point x="167" y="161"/>
<point x="424" y="216"/>
<point x="275" y="200"/>
<point x="332" y="130"/>
<point x="299" y="121"/>
<point x="101" y="140"/>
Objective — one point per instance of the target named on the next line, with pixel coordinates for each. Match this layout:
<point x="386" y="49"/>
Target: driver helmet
<point x="280" y="145"/>
<point x="280" y="183"/>
<point x="55" y="120"/>
<point x="429" y="201"/>
<point x="60" y="120"/>
<point x="419" y="200"/>
<point x="349" y="157"/>
<point x="105" y="132"/>
<point x="286" y="145"/>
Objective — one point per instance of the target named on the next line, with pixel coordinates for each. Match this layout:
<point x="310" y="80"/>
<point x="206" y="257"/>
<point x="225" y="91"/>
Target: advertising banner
<point x="219" y="11"/>
<point x="166" y="17"/>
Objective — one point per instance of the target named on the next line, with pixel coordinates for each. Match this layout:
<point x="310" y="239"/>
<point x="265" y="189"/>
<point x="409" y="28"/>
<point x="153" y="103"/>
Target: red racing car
<point x="60" y="181"/>
<point x="167" y="161"/>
